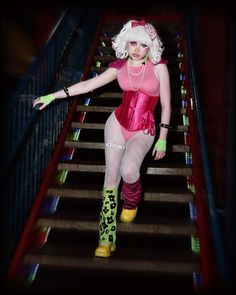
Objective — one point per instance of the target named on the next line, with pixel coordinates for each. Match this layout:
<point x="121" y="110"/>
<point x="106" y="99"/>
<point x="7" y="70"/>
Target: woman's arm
<point x="165" y="100"/>
<point x="79" y="88"/>
<point x="89" y="85"/>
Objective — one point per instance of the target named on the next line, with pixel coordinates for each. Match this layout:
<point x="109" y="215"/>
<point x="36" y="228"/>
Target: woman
<point x="130" y="130"/>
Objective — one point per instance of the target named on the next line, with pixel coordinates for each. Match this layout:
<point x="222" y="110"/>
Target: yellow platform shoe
<point x="128" y="215"/>
<point x="105" y="250"/>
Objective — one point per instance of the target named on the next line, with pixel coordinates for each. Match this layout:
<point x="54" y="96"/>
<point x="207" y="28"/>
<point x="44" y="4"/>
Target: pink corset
<point x="136" y="111"/>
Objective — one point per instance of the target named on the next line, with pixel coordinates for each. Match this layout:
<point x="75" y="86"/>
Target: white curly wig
<point x="144" y="33"/>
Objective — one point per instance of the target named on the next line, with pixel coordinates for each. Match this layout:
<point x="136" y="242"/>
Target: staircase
<point x="160" y="249"/>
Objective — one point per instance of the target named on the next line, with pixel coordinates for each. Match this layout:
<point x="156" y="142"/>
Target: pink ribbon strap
<point x="148" y="123"/>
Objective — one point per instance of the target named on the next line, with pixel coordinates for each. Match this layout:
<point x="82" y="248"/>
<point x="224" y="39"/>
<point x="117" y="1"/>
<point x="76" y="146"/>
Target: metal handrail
<point x="30" y="136"/>
<point x="210" y="191"/>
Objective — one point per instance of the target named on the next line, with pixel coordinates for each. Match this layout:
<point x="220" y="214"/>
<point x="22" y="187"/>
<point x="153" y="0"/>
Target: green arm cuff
<point x="160" y="145"/>
<point x="47" y="98"/>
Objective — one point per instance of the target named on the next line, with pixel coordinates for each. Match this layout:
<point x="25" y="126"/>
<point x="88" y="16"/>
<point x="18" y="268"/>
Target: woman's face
<point x="137" y="50"/>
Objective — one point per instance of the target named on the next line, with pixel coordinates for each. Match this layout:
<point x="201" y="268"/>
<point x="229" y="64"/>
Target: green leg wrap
<point x="107" y="224"/>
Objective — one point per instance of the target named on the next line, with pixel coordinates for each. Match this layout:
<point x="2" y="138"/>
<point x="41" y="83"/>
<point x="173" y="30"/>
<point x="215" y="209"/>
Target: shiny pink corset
<point x="136" y="111"/>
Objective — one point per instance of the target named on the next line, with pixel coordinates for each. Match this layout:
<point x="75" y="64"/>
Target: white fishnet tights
<point x="123" y="158"/>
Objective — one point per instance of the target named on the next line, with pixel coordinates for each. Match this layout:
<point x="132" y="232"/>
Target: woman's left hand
<point x="158" y="154"/>
<point x="159" y="149"/>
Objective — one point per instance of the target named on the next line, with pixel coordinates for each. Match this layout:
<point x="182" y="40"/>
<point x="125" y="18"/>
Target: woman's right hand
<point x="42" y="101"/>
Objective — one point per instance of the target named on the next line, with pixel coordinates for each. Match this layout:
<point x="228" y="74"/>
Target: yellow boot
<point x="128" y="215"/>
<point x="105" y="250"/>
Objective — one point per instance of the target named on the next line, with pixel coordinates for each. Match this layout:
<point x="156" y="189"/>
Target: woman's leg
<point x="136" y="149"/>
<point x="114" y="150"/>
<point x="115" y="145"/>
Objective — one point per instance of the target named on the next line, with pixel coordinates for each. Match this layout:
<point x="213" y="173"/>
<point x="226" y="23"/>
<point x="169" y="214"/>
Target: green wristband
<point x="160" y="145"/>
<point x="47" y="98"/>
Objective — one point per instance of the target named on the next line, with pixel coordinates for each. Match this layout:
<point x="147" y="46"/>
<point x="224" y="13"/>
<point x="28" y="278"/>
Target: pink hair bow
<point x="149" y="28"/>
<point x="138" y="23"/>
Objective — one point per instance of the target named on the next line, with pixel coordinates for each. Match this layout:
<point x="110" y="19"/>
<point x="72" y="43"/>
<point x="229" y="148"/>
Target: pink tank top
<point x="137" y="108"/>
<point x="150" y="84"/>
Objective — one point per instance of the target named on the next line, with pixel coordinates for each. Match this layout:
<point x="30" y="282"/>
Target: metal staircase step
<point x="163" y="267"/>
<point x="104" y="58"/>
<point x="98" y="109"/>
<point x="178" y="128"/>
<point x="183" y="228"/>
<point x="160" y="170"/>
<point x="99" y="145"/>
<point x="108" y="95"/>
<point x="178" y="196"/>
<point x="106" y="109"/>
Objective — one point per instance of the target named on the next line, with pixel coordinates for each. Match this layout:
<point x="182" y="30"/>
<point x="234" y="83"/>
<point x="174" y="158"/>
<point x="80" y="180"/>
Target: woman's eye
<point x="144" y="45"/>
<point x="133" y="43"/>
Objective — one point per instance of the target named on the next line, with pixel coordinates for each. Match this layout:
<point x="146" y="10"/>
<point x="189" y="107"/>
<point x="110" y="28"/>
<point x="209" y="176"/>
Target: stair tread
<point x="101" y="117"/>
<point x="98" y="135"/>
<point x="131" y="250"/>
<point x="153" y="164"/>
<point x="114" y="264"/>
<point x="82" y="155"/>
<point x="164" y="169"/>
<point x="173" y="227"/>
<point x="80" y="286"/>
<point x="109" y="109"/>
<point x="160" y="195"/>
<point x="116" y="94"/>
<point x="124" y="240"/>
<point x="89" y="125"/>
<point x="100" y="145"/>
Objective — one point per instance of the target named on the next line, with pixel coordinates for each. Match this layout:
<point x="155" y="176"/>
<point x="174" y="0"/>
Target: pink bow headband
<point x="149" y="29"/>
